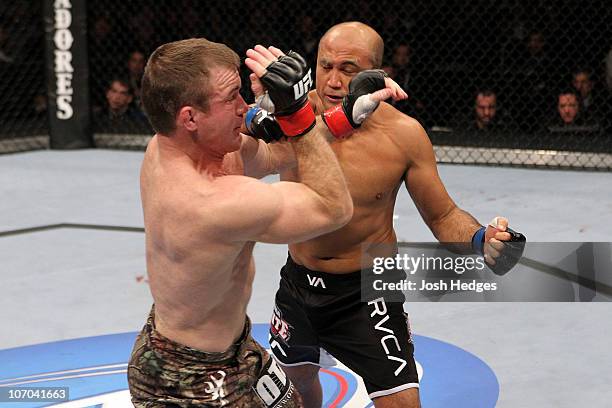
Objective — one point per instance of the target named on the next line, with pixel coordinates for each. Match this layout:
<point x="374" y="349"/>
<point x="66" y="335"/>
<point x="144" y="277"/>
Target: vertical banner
<point x="67" y="73"/>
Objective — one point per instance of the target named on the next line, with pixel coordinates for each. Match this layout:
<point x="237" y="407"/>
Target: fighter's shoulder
<point x="402" y="127"/>
<point x="229" y="192"/>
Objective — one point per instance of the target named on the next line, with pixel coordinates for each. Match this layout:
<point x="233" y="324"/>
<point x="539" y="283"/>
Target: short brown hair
<point x="177" y="74"/>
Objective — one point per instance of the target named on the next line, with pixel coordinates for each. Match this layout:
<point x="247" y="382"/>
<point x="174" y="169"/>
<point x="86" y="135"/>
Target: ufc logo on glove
<point x="300" y="88"/>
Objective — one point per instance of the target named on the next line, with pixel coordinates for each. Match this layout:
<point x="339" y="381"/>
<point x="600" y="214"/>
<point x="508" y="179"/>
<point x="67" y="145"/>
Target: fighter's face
<point x="337" y="62"/>
<point x="220" y="125"/>
<point x="568" y="107"/>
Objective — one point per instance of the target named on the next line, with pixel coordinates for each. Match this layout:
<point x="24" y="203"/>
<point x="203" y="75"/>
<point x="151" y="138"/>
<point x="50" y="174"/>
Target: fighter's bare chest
<point x="372" y="168"/>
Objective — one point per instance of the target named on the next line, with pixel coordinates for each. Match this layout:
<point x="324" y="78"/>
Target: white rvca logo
<point x="380" y="309"/>
<point x="314" y="281"/>
<point x="303" y="86"/>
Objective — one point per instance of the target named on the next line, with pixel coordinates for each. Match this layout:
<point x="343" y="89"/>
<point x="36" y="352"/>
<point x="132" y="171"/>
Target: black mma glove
<point x="509" y="256"/>
<point x="262" y="125"/>
<point x="356" y="106"/>
<point x="288" y="80"/>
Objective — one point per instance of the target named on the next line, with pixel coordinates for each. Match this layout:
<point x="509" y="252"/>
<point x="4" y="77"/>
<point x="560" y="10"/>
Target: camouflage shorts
<point x="163" y="373"/>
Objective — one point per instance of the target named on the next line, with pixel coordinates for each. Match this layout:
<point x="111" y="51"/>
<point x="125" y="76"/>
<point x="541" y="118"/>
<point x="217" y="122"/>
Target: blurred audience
<point x="568" y="116"/>
<point x="120" y="115"/>
<point x="484" y="115"/>
<point x="135" y="68"/>
<point x="593" y="101"/>
<point x="402" y="70"/>
<point x="435" y="55"/>
<point x="307" y="38"/>
<point x="534" y="74"/>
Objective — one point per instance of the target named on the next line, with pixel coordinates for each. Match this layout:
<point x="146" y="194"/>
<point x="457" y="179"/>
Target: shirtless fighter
<point x="203" y="215"/>
<point x="318" y="305"/>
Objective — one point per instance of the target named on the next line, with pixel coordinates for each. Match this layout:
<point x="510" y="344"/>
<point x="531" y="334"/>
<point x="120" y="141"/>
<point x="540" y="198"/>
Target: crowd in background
<point x="481" y="66"/>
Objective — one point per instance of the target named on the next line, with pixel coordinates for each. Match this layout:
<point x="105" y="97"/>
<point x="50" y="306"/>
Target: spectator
<point x="568" y="116"/>
<point x="568" y="108"/>
<point x="135" y="69"/>
<point x="142" y="26"/>
<point x="400" y="60"/>
<point x="483" y="116"/>
<point x="307" y="39"/>
<point x="534" y="74"/>
<point x="120" y="115"/>
<point x="102" y="63"/>
<point x="592" y="102"/>
<point x="402" y="70"/>
<point x="568" y="129"/>
<point x="6" y="56"/>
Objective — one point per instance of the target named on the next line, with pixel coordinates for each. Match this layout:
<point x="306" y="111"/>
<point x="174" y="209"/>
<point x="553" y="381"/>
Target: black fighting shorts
<point x="319" y="315"/>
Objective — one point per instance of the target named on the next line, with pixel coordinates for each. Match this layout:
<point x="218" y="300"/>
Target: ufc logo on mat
<point x="314" y="281"/>
<point x="303" y="86"/>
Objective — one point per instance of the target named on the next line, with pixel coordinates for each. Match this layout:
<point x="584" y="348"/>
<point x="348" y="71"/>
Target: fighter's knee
<point x="404" y="399"/>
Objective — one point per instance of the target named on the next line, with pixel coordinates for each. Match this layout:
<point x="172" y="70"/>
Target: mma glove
<point x="509" y="256"/>
<point x="357" y="105"/>
<point x="263" y="125"/>
<point x="341" y="120"/>
<point x="288" y="80"/>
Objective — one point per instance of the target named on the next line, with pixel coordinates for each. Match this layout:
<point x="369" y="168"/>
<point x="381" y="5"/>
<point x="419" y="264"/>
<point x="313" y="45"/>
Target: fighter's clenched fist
<point x="287" y="79"/>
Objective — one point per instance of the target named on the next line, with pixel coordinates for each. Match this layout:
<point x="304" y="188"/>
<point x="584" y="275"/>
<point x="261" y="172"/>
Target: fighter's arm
<point x="445" y="219"/>
<point x="285" y="212"/>
<point x="367" y="90"/>
<point x="261" y="158"/>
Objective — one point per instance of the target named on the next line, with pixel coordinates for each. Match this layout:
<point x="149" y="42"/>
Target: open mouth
<point x="334" y="98"/>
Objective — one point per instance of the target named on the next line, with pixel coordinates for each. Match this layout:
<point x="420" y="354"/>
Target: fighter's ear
<point x="186" y="118"/>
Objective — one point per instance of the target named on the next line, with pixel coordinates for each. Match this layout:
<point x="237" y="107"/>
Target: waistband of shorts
<point x="164" y="345"/>
<point x="318" y="280"/>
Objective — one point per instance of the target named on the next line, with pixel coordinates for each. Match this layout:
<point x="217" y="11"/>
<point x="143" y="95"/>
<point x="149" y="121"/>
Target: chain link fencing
<point x="494" y="82"/>
<point x="23" y="102"/>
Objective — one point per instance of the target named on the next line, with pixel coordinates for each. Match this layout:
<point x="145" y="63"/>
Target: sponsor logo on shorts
<point x="279" y="328"/>
<point x="214" y="387"/>
<point x="380" y="309"/>
<point x="315" y="281"/>
<point x="409" y="328"/>
<point x="273" y="387"/>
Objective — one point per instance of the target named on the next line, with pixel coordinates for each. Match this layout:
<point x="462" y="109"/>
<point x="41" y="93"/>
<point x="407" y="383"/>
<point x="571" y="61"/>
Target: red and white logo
<point x="279" y="328"/>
